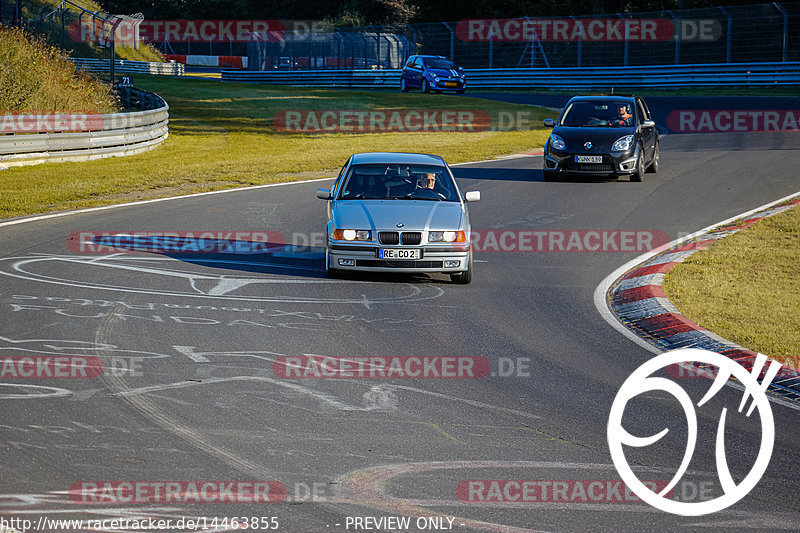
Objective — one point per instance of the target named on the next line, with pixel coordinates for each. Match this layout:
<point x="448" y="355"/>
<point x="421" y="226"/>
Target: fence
<point x="33" y="139"/>
<point x="590" y="78"/>
<point x="737" y="34"/>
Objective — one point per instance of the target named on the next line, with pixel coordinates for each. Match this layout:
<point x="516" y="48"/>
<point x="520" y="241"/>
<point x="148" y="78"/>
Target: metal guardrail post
<point x="452" y="41"/>
<point x="785" y="30"/>
<point x="677" y="36"/>
<point x="625" y="61"/>
<point x="730" y="34"/>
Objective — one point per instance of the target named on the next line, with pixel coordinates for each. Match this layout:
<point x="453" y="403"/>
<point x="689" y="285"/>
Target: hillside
<point x="50" y="26"/>
<point x="37" y="77"/>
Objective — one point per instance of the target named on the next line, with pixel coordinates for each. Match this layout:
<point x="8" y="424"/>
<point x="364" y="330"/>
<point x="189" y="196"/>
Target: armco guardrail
<point x="756" y="74"/>
<point x="37" y="138"/>
<point x="123" y="65"/>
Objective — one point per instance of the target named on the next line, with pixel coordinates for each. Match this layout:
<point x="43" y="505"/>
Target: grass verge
<point x="221" y="136"/>
<point x="746" y="287"/>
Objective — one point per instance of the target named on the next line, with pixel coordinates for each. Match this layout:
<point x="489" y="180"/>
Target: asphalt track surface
<point x="205" y="404"/>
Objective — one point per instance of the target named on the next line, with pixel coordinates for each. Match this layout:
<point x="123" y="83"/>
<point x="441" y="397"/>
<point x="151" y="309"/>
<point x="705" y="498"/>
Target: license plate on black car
<point x="588" y="158"/>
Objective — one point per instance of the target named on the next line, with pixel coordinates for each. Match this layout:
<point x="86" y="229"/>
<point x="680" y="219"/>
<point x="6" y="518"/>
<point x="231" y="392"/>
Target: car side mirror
<point x="472" y="196"/>
<point x="323" y="194"/>
<point x="648" y="124"/>
<point x="549" y="122"/>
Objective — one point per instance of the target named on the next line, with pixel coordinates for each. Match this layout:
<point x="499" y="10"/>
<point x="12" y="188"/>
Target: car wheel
<point x="653" y="168"/>
<point x="639" y="172"/>
<point x="423" y="87"/>
<point x="550" y="176"/>
<point x="403" y="86"/>
<point x="463" y="278"/>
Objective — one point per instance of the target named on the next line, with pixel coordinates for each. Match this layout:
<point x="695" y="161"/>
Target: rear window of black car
<point x="598" y="114"/>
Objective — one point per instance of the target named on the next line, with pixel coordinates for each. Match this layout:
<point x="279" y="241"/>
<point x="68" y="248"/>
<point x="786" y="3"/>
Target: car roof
<point x="393" y="158"/>
<point x="601" y="98"/>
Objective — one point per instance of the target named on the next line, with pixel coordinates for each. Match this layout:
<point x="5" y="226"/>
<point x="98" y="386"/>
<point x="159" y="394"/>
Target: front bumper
<point x="441" y="86"/>
<point x="352" y="257"/>
<point x="613" y="164"/>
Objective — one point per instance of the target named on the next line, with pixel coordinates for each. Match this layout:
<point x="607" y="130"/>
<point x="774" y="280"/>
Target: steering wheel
<point x="426" y="193"/>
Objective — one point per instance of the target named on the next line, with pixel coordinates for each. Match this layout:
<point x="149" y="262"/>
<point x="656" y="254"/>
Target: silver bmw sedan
<point x="398" y="212"/>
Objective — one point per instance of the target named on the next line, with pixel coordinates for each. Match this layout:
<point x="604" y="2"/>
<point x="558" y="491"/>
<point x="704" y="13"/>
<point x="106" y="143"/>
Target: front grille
<point x="397" y="264"/>
<point x="412" y="237"/>
<point x="588" y="167"/>
<point x="389" y="237"/>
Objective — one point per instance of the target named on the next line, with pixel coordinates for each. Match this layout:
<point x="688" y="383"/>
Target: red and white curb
<point x="632" y="299"/>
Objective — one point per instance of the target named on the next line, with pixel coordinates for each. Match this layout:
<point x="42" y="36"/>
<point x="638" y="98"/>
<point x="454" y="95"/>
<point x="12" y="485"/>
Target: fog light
<point x="347" y="262"/>
<point x="451" y="263"/>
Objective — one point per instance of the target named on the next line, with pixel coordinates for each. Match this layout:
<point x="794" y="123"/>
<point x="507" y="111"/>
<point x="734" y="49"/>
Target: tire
<point x="423" y="86"/>
<point x="463" y="278"/>
<point x="653" y="168"/>
<point x="550" y="176"/>
<point x="639" y="172"/>
<point x="403" y="86"/>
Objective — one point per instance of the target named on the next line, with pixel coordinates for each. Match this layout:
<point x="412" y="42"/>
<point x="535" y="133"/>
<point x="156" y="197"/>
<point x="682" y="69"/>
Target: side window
<point x="410" y="63"/>
<point x="645" y="110"/>
<point x="338" y="183"/>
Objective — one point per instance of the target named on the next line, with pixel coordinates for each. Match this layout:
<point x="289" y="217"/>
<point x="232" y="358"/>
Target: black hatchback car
<point x="602" y="136"/>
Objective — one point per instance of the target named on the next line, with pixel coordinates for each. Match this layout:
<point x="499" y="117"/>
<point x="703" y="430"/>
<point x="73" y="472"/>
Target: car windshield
<point x="398" y="182"/>
<point x="438" y="62"/>
<point x="602" y="114"/>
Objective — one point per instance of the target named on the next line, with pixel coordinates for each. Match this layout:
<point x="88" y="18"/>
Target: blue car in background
<point x="432" y="73"/>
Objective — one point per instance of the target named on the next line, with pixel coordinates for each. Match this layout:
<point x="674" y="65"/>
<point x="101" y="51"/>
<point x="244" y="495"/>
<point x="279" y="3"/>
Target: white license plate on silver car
<point x="396" y="253"/>
<point x="588" y="158"/>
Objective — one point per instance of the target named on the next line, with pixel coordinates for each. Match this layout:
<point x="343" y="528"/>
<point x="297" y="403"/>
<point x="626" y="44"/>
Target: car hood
<point x="601" y="138"/>
<point x="415" y="215"/>
<point x="445" y="73"/>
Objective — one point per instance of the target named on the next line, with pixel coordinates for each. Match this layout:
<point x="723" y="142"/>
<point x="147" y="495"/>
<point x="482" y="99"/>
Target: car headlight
<point x="351" y="235"/>
<point x="623" y="144"/>
<point x="557" y="142"/>
<point x="447" y="236"/>
<point x="435" y="77"/>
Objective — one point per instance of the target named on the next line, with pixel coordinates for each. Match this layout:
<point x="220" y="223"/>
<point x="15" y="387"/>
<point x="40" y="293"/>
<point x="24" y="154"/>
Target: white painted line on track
<point x="34" y="218"/>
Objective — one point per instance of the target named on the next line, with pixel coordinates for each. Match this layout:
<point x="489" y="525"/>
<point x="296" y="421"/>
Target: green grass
<point x="35" y="76"/>
<point x="221" y="136"/>
<point x="746" y="287"/>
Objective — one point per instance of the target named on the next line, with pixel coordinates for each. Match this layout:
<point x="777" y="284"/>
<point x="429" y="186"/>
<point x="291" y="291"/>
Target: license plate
<point x="450" y="84"/>
<point x="588" y="158"/>
<point x="396" y="253"/>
